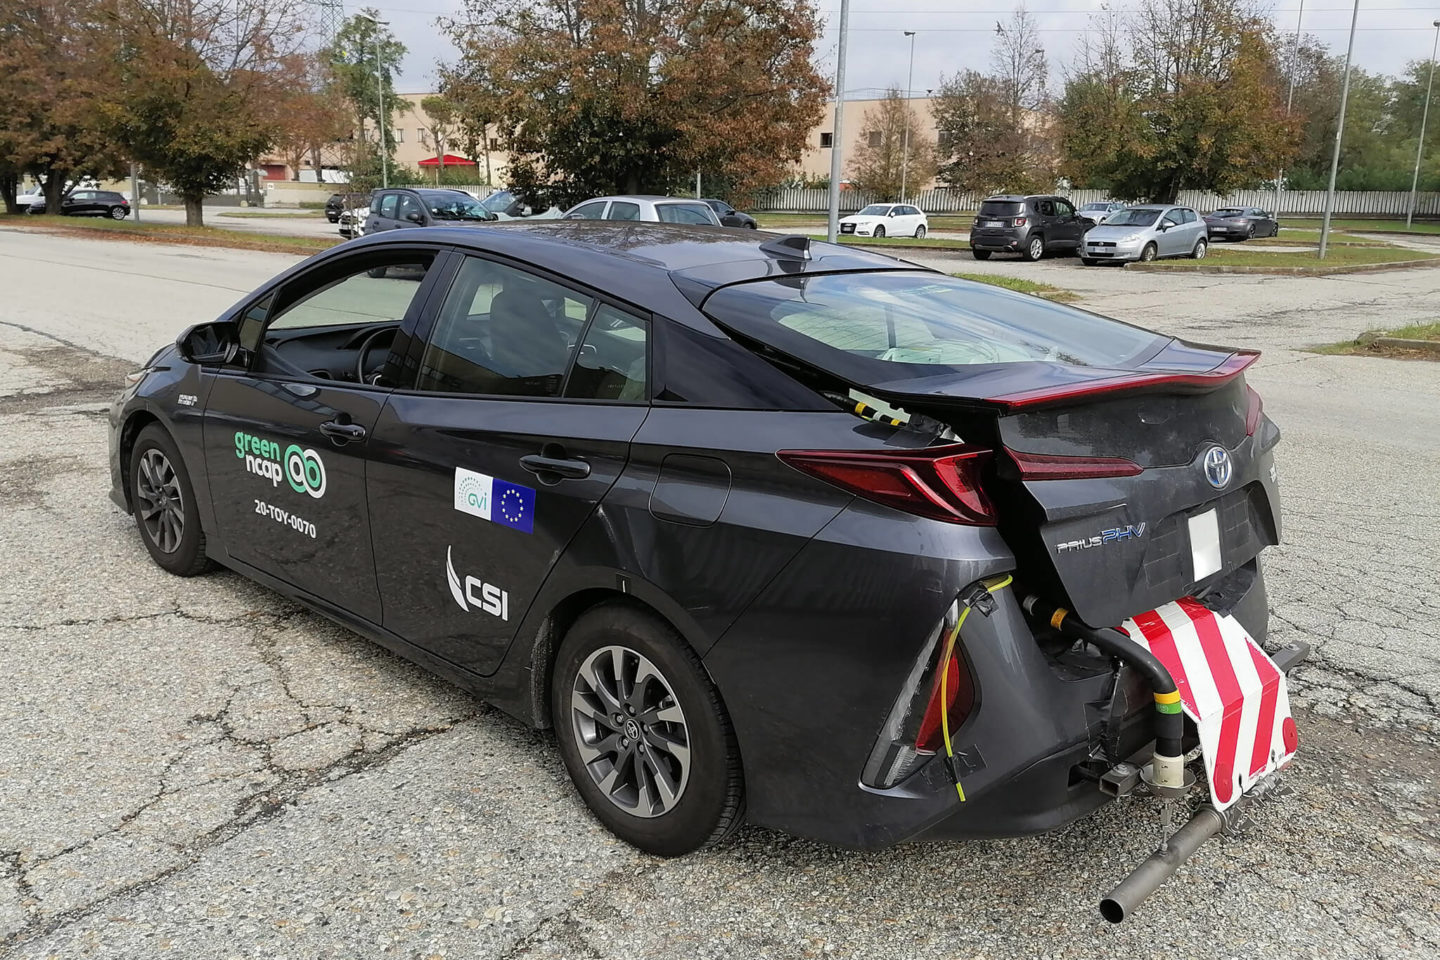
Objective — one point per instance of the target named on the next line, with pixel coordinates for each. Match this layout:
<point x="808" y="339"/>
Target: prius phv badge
<point x="499" y="501"/>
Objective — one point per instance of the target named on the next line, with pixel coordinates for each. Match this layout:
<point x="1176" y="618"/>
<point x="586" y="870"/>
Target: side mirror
<point x="209" y="344"/>
<point x="415" y="217"/>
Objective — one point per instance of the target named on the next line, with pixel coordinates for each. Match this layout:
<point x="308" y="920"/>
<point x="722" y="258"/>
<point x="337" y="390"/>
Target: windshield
<point x="862" y="325"/>
<point x="456" y="208"/>
<point x="1096" y="206"/>
<point x="874" y="210"/>
<point x="1133" y="218"/>
<point x="1228" y="212"/>
<point x="499" y="201"/>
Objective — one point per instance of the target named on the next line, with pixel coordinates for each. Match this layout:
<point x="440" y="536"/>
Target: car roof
<point x="649" y="197"/>
<point x="626" y="258"/>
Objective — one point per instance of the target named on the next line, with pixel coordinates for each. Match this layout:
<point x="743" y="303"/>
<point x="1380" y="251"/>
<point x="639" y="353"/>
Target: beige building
<point x="815" y="163"/>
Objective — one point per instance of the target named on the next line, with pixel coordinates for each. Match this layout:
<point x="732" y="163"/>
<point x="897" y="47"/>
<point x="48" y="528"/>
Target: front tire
<point x="1148" y="254"/>
<point x="164" y="502"/>
<point x="1201" y="248"/>
<point x="980" y="254"/>
<point x="1089" y="261"/>
<point x="1034" y="249"/>
<point x="643" y="733"/>
<point x="920" y="232"/>
<point x="879" y="232"/>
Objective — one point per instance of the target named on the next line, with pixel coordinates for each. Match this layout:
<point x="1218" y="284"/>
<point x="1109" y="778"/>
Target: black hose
<point x="1169" y="722"/>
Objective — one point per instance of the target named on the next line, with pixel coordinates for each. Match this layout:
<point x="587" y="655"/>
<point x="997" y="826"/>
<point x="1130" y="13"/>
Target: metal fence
<point x="1292" y="202"/>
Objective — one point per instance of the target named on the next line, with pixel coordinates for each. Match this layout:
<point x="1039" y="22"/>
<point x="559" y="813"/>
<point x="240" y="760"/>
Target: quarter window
<point x="611" y="361"/>
<point x="504" y="332"/>
<point x="387" y="205"/>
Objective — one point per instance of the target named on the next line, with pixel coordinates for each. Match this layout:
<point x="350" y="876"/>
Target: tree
<point x="881" y="159"/>
<point x="1018" y="64"/>
<point x="1184" y="94"/>
<point x="201" y="83"/>
<point x="310" y="114"/>
<point x="443" y="126"/>
<point x="57" y="73"/>
<point x="363" y="49"/>
<point x="624" y="96"/>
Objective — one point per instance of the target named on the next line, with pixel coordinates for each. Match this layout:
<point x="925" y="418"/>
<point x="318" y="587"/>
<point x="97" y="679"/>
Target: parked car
<point x="886" y="220"/>
<point x="24" y="201"/>
<point x="508" y="205"/>
<point x="651" y="209"/>
<point x="1101" y="210"/>
<point x="401" y="207"/>
<point x="730" y="217"/>
<point x="90" y="203"/>
<point x="635" y="486"/>
<point x="1031" y="226"/>
<point x="1146" y="233"/>
<point x="1241" y="223"/>
<point x="352" y="222"/>
<point x="340" y="202"/>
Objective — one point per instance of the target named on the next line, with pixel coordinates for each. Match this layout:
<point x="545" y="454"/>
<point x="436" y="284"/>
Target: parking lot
<point x="201" y="769"/>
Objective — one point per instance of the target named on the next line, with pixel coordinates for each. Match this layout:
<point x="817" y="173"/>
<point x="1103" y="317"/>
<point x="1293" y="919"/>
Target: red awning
<point x="448" y="160"/>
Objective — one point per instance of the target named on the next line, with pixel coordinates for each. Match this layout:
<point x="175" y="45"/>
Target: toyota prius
<point x="767" y="530"/>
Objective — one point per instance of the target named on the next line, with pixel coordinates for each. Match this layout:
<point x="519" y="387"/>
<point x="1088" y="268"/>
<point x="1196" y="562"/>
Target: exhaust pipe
<point x="1161" y="865"/>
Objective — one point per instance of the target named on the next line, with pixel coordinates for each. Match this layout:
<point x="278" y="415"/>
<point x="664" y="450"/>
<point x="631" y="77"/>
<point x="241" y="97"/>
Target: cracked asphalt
<point x="200" y="769"/>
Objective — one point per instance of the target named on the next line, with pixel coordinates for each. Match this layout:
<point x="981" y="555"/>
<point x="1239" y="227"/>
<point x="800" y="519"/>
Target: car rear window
<point x="865" y="326"/>
<point x="1000" y="208"/>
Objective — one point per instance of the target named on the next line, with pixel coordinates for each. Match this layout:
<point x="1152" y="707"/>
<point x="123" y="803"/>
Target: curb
<point x="1295" y="271"/>
<point x="1403" y="343"/>
<point x="137" y="236"/>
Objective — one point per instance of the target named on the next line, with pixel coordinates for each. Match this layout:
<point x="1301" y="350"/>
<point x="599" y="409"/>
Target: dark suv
<point x="90" y="203"/>
<point x="1029" y="226"/>
<point x="340" y="202"/>
<point x="406" y="207"/>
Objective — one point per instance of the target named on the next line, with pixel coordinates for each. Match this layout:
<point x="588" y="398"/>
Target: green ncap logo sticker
<point x="301" y="467"/>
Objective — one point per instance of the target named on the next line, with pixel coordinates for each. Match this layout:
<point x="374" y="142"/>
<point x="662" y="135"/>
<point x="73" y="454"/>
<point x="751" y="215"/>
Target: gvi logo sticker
<point x="475" y="593"/>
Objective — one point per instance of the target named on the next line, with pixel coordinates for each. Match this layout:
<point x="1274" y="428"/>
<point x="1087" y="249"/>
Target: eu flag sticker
<point x="513" y="506"/>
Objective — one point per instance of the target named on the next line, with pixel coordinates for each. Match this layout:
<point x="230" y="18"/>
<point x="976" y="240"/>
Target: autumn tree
<point x="310" y="115"/>
<point x="624" y="96"/>
<point x="365" y="58"/>
<point x="442" y="125"/>
<point x="882" y="165"/>
<point x="1181" y="94"/>
<point x="57" y="73"/>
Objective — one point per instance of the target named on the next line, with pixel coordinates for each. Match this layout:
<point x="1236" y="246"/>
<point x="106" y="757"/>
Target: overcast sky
<point x="954" y="36"/>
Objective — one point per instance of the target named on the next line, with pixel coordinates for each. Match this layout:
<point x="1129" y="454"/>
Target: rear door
<point x="1068" y="228"/>
<point x="286" y="437"/>
<point x="526" y="395"/>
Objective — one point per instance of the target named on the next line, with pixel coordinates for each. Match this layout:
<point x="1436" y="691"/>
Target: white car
<point x="506" y="205"/>
<point x="646" y="208"/>
<point x="1101" y="210"/>
<point x="23" y="201"/>
<point x="886" y="220"/>
<point x="352" y="222"/>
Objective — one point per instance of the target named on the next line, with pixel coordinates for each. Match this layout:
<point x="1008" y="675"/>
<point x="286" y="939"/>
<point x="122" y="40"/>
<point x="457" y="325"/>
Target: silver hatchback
<point x="1146" y="233"/>
<point x="646" y="208"/>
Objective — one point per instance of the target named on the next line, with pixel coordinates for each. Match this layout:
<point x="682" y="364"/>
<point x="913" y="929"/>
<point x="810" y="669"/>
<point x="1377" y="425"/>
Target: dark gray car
<point x="729" y="216"/>
<point x="400" y="207"/>
<point x="1030" y="226"/>
<point x="1241" y="223"/>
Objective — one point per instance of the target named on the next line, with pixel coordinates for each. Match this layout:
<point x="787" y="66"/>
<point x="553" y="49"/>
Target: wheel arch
<point x="135" y="423"/>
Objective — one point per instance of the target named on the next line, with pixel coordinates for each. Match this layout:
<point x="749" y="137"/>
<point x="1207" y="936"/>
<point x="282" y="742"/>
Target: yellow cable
<point x="945" y="674"/>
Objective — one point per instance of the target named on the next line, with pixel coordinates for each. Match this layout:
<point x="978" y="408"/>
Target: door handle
<point x="342" y="431"/>
<point x="569" y="469"/>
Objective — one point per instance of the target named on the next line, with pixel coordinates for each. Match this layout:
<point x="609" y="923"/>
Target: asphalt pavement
<point x="201" y="769"/>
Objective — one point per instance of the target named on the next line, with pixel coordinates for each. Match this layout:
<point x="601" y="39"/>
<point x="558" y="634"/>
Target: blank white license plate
<point x="1204" y="545"/>
<point x="993" y="223"/>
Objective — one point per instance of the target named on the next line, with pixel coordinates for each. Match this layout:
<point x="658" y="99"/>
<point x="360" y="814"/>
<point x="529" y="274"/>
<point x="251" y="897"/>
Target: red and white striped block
<point x="1229" y="687"/>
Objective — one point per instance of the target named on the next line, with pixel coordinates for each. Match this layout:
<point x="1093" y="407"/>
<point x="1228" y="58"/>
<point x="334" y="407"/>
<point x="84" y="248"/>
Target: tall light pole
<point x="836" y="141"/>
<point x="380" y="99"/>
<point x="1424" y="116"/>
<point x="1339" y="136"/>
<point x="909" y="81"/>
<point x="1290" y="100"/>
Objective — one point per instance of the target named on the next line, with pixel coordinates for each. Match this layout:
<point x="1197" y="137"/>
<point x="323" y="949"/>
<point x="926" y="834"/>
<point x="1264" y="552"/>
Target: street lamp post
<point x="1290" y="100"/>
<point x="1424" y="116"/>
<point x="1339" y="136"/>
<point x="836" y="142"/>
<point x="380" y="99"/>
<point x="905" y="155"/>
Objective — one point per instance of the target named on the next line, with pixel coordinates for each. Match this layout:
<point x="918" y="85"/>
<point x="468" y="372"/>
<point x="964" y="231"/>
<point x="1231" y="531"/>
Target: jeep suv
<point x="1029" y="226"/>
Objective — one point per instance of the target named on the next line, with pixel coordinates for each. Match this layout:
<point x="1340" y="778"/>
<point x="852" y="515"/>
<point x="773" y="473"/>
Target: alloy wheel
<point x="117" y="213"/>
<point x="1037" y="248"/>
<point x="879" y="232"/>
<point x="630" y="731"/>
<point x="159" y="501"/>
<point x="1201" y="249"/>
<point x="920" y="233"/>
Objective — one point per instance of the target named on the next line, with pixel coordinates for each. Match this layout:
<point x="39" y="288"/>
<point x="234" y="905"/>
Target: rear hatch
<point x="1127" y="469"/>
<point x="997" y="217"/>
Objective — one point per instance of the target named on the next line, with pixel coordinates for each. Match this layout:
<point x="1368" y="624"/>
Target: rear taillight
<point x="1254" y="410"/>
<point x="1040" y="466"/>
<point x="912" y="732"/>
<point x="942" y="483"/>
<point x="1020" y="221"/>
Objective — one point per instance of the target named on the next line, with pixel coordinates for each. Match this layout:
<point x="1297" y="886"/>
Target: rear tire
<point x="920" y="232"/>
<point x="1034" y="249"/>
<point x="980" y="254"/>
<point x="1201" y="248"/>
<point x="118" y="213"/>
<point x="623" y="778"/>
<point x="1148" y="254"/>
<point x="164" y="502"/>
<point x="879" y="232"/>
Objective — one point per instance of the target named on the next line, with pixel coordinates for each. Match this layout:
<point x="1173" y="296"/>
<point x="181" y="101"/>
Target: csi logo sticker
<point x="508" y="504"/>
<point x="472" y="593"/>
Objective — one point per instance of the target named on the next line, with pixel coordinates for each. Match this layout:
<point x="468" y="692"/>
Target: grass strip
<point x="171" y="233"/>
<point x="1020" y="285"/>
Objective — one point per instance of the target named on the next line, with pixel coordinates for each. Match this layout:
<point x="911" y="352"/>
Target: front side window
<point x="376" y="294"/>
<point x="869" y="327"/>
<point x="410" y="209"/>
<point x="388" y="203"/>
<point x="1172" y="219"/>
<point x="503" y="332"/>
<point x="588" y="211"/>
<point x="1064" y="209"/>
<point x="684" y="213"/>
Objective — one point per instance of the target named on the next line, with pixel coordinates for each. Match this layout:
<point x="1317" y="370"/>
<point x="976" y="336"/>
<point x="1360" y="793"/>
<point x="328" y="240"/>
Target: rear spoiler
<point x="1208" y="380"/>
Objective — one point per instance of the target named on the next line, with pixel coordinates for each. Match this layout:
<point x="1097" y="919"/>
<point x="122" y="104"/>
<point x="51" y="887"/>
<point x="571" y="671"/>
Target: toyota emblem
<point x="1217" y="467"/>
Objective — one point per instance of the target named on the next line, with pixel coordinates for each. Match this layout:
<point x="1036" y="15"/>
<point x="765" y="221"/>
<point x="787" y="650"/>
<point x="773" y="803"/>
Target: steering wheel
<point x="367" y="345"/>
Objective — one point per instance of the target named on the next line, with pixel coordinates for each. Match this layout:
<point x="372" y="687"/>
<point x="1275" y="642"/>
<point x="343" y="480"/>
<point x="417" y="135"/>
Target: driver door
<point x="286" y="435"/>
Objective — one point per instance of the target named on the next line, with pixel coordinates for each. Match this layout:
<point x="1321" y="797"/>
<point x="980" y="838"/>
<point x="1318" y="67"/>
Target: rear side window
<point x="684" y="213"/>
<point x="868" y="327"/>
<point x="611" y="362"/>
<point x="620" y="210"/>
<point x="1000" y="208"/>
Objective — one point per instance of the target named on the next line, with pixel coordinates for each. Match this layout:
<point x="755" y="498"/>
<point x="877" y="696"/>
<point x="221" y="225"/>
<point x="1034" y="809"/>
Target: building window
<point x="874" y="138"/>
<point x="494" y="143"/>
<point x="422" y="135"/>
<point x="399" y="135"/>
<point x="827" y="140"/>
